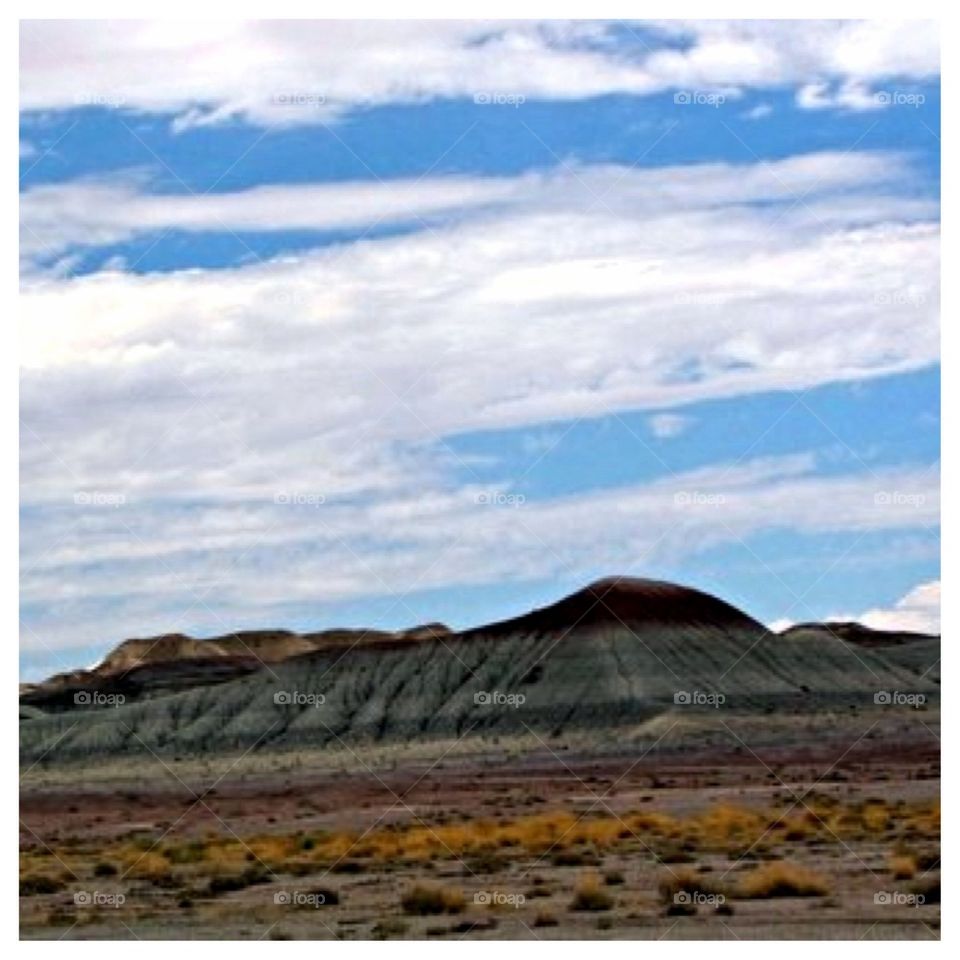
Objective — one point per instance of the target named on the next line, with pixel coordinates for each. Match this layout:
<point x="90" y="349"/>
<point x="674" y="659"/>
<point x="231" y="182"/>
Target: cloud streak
<point x="157" y="564"/>
<point x="90" y="213"/>
<point x="338" y="377"/>
<point x="344" y="366"/>
<point x="283" y="72"/>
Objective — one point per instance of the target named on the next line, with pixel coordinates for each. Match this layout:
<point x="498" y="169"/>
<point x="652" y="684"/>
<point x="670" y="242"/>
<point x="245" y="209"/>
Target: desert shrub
<point x="903" y="867"/>
<point x="424" y="899"/>
<point x="590" y="895"/>
<point x="192" y="852"/>
<point x="688" y="881"/>
<point x="536" y="893"/>
<point x="929" y="889"/>
<point x="227" y="883"/>
<point x="104" y="869"/>
<point x="385" y="929"/>
<point x="613" y="878"/>
<point x="485" y="862"/>
<point x="146" y="866"/>
<point x="39" y="883"/>
<point x="781" y="879"/>
<point x="572" y="858"/>
<point x="674" y="854"/>
<point x="328" y="897"/>
<point x="726" y="822"/>
<point x="473" y="925"/>
<point x="545" y="919"/>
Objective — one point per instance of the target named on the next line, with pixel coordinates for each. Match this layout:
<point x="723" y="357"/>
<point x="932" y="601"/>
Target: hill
<point x="917" y="652"/>
<point x="613" y="656"/>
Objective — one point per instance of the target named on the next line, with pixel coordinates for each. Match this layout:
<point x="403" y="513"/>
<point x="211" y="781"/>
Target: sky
<point x="372" y="324"/>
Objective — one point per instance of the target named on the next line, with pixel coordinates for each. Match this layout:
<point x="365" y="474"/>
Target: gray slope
<point x="597" y="678"/>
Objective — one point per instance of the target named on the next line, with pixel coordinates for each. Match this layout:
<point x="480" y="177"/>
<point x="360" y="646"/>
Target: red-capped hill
<point x="631" y="602"/>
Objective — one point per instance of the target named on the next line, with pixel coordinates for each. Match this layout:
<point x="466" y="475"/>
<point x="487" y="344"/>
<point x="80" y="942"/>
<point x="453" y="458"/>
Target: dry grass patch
<point x="688" y="881"/>
<point x="903" y="867"/>
<point x="590" y="895"/>
<point x="38" y="884"/>
<point x="545" y="918"/>
<point x="428" y="899"/>
<point x="781" y="879"/>
<point x="146" y="866"/>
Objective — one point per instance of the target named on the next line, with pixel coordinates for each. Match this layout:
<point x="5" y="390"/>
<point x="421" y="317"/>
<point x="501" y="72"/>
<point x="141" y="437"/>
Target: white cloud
<point x="95" y="213"/>
<point x="99" y="212"/>
<point x="338" y="374"/>
<point x="275" y="72"/>
<point x="759" y="112"/>
<point x="918" y="611"/>
<point x="852" y="95"/>
<point x="227" y="565"/>
<point x="667" y="425"/>
<point x="210" y="382"/>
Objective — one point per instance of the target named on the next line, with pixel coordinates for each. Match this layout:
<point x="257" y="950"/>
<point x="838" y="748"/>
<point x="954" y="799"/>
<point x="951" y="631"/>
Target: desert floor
<point x="837" y="837"/>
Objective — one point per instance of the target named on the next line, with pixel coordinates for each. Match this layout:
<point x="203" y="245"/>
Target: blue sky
<point x="311" y="340"/>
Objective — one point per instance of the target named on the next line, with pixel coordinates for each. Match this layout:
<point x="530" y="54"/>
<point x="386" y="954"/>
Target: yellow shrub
<point x="424" y="899"/>
<point x="782" y="879"/>
<point x="903" y="867"/>
<point x="590" y="895"/>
